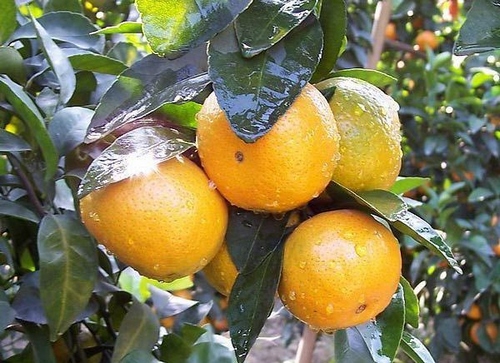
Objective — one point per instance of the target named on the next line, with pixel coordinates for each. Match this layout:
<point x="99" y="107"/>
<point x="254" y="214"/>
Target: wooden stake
<point x="306" y="345"/>
<point x="382" y="17"/>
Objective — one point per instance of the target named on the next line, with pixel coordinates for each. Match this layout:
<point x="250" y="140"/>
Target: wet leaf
<point x="251" y="301"/>
<point x="266" y="22"/>
<point x="11" y="143"/>
<point x="412" y="308"/>
<point x="17" y="210"/>
<point x="68" y="270"/>
<point x="415" y="227"/>
<point x="122" y="28"/>
<point x="415" y="349"/>
<point x="481" y="30"/>
<point x="377" y="78"/>
<point x="146" y="86"/>
<point x="68" y="128"/>
<point x="7" y="19"/>
<point x="65" y="26"/>
<point x="251" y="237"/>
<point x="7" y="315"/>
<point x="138" y="331"/>
<point x="333" y="20"/>
<point x="350" y="347"/>
<point x="172" y="27"/>
<point x="38" y="336"/>
<point x="255" y="92"/>
<point x="404" y="184"/>
<point x="167" y="304"/>
<point x="181" y="114"/>
<point x="137" y="151"/>
<point x="31" y="116"/>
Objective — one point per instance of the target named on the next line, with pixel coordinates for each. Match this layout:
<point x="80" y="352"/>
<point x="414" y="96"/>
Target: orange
<point x="370" y="138"/>
<point x="474" y="312"/>
<point x="282" y="170"/>
<point x="221" y="271"/>
<point x="491" y="331"/>
<point x="496" y="249"/>
<point x="426" y="39"/>
<point x="340" y="269"/>
<point x="390" y="31"/>
<point x="166" y="223"/>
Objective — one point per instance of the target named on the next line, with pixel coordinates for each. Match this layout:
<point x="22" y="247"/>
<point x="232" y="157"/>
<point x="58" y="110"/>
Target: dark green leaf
<point x="251" y="237"/>
<point x="255" y="92"/>
<point x="58" y="62"/>
<point x="38" y="336"/>
<point x="96" y="63"/>
<point x="172" y="27"/>
<point x="11" y="143"/>
<point x="62" y="5"/>
<point x="167" y="304"/>
<point x="415" y="349"/>
<point x="194" y="315"/>
<point x="350" y="347"/>
<point x="17" y="210"/>
<point x="27" y="303"/>
<point x="122" y="28"/>
<point x="68" y="270"/>
<point x="138" y="331"/>
<point x="415" y="227"/>
<point x="404" y="184"/>
<point x="377" y="78"/>
<point x="480" y="195"/>
<point x="481" y="30"/>
<point x="333" y="20"/>
<point x="212" y="348"/>
<point x="12" y="64"/>
<point x="251" y="302"/>
<point x="412" y="309"/>
<point x="140" y="356"/>
<point x="67" y="27"/>
<point x="177" y="348"/>
<point x="137" y="151"/>
<point x="145" y="87"/>
<point x="7" y="19"/>
<point x="29" y="113"/>
<point x="7" y="315"/>
<point x="265" y="22"/>
<point x="68" y="128"/>
<point x="182" y="114"/>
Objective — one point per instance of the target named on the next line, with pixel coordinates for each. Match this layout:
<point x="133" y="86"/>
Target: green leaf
<point x="251" y="302"/>
<point x="96" y="63"/>
<point x="138" y="331"/>
<point x="181" y="114"/>
<point x="480" y="195"/>
<point x="415" y="227"/>
<point x="68" y="270"/>
<point x="255" y="92"/>
<point x="349" y="347"/>
<point x="38" y="336"/>
<point x="412" y="309"/>
<point x="12" y="64"/>
<point x="251" y="237"/>
<point x="146" y="86"/>
<point x="265" y="22"/>
<point x="30" y="115"/>
<point x="7" y="19"/>
<point x="377" y="78"/>
<point x="7" y="316"/>
<point x="212" y="348"/>
<point x="122" y="28"/>
<point x="27" y="303"/>
<point x="137" y="151"/>
<point x="17" y="210"/>
<point x="68" y="128"/>
<point x="58" y="62"/>
<point x="11" y="143"/>
<point x="481" y="30"/>
<point x="415" y="349"/>
<point x="62" y="5"/>
<point x="404" y="184"/>
<point x="172" y="27"/>
<point x="333" y="20"/>
<point x="176" y="348"/>
<point x="167" y="304"/>
<point x="65" y="26"/>
<point x="140" y="356"/>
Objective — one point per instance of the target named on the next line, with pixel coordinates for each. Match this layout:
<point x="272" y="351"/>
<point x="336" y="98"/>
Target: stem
<point x="394" y="44"/>
<point x="306" y="345"/>
<point x="28" y="186"/>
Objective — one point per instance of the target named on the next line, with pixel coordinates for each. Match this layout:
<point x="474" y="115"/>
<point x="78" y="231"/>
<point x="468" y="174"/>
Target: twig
<point x="395" y="44"/>
<point x="306" y="345"/>
<point x="382" y="17"/>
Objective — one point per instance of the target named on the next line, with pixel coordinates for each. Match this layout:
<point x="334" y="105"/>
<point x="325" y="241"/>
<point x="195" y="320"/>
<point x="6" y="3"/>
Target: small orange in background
<point x="491" y="331"/>
<point x="474" y="312"/>
<point x="496" y="249"/>
<point x="426" y="39"/>
<point x="390" y="31"/>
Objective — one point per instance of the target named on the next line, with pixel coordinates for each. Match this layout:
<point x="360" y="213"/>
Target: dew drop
<point x="156" y="266"/>
<point x="292" y="295"/>
<point x="330" y="309"/>
<point x="360" y="250"/>
<point x="361" y="308"/>
<point x="302" y="264"/>
<point x="94" y="216"/>
<point x="211" y="185"/>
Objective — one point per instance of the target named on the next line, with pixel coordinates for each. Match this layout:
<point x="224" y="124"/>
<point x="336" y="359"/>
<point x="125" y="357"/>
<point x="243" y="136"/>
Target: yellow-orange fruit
<point x="221" y="271"/>
<point x="426" y="39"/>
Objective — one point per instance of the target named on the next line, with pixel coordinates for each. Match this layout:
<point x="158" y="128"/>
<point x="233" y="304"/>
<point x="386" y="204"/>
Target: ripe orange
<point x="369" y="127"/>
<point x="282" y="170"/>
<point x="147" y="220"/>
<point x="426" y="39"/>
<point x="474" y="312"/>
<point x="491" y="331"/>
<point x="221" y="271"/>
<point x="496" y="249"/>
<point x="390" y="31"/>
<point x="340" y="269"/>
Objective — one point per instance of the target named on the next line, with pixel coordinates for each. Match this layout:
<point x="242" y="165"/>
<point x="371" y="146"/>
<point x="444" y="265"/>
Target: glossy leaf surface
<point x="412" y="308"/>
<point x="11" y="143"/>
<point x="68" y="128"/>
<point x="17" y="210"/>
<point x="350" y="347"/>
<point x="255" y="92"/>
<point x="415" y="349"/>
<point x="122" y="28"/>
<point x="404" y="184"/>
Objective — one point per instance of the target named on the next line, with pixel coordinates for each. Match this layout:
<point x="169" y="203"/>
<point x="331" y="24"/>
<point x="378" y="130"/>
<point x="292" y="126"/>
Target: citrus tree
<point x="154" y="143"/>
